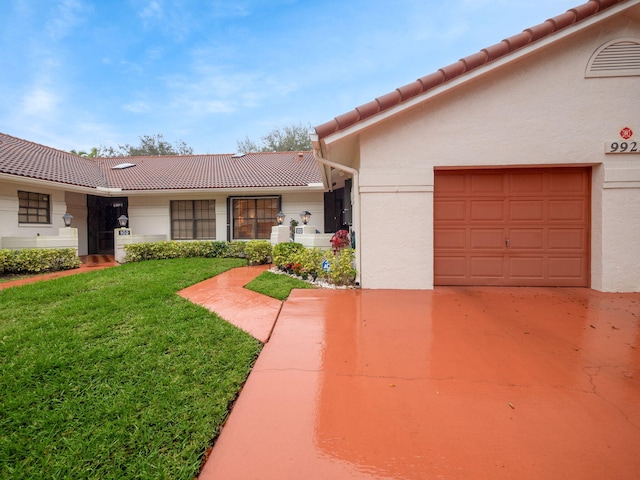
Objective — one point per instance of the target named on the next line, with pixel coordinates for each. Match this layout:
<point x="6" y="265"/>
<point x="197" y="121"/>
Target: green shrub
<point x="296" y="259"/>
<point x="341" y="271"/>
<point x="38" y="260"/>
<point x="258" y="252"/>
<point x="307" y="261"/>
<point x="282" y="253"/>
<point x="138" y="252"/>
<point x="219" y="249"/>
<point x="235" y="249"/>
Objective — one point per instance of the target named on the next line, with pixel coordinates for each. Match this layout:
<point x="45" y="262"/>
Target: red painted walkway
<point x="225" y="294"/>
<point x="456" y="383"/>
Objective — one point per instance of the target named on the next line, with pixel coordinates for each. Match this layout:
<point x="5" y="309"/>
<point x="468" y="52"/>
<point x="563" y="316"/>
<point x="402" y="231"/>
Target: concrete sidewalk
<point x="455" y="383"/>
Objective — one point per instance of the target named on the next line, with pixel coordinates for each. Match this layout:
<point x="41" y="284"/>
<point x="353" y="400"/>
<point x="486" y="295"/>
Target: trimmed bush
<point x="255" y="251"/>
<point x="294" y="258"/>
<point x="138" y="252"/>
<point x="307" y="262"/>
<point x="235" y="249"/>
<point x="258" y="252"/>
<point x="282" y="253"/>
<point x="37" y="260"/>
<point x="341" y="271"/>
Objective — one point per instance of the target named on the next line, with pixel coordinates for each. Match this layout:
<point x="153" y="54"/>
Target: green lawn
<point x="276" y="285"/>
<point x="111" y="375"/>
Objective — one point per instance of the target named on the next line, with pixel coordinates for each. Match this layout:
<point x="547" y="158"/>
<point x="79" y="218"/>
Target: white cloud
<point x="67" y="15"/>
<point x="39" y="102"/>
<point x="151" y="10"/>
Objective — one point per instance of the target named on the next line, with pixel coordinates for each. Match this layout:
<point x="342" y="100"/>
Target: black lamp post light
<point x="280" y="218"/>
<point x="305" y="216"/>
<point x="122" y="221"/>
<point x="67" y="217"/>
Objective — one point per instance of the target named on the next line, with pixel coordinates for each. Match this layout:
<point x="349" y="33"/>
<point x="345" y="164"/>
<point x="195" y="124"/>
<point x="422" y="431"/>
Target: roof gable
<point x="465" y="65"/>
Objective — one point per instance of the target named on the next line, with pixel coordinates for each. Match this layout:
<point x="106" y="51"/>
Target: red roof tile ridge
<point x="466" y="64"/>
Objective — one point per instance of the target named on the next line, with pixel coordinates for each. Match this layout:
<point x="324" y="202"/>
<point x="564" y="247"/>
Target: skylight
<point x="121" y="166"/>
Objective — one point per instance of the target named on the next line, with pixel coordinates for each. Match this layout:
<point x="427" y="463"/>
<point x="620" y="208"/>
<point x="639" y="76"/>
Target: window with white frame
<point x="193" y="219"/>
<point x="34" y="207"/>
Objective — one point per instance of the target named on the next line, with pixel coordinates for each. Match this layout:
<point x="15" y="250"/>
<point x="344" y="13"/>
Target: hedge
<point x="37" y="260"/>
<point x="255" y="251"/>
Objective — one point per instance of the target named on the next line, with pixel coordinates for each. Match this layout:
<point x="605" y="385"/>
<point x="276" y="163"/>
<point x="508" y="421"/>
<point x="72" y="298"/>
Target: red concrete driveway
<point x="455" y="383"/>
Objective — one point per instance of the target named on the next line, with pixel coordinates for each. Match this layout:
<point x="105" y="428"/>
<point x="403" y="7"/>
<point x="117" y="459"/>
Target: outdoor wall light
<point x="280" y="217"/>
<point x="305" y="216"/>
<point x="67" y="217"/>
<point x="122" y="221"/>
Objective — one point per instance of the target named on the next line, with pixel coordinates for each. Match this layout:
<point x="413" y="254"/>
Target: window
<point x="254" y="217"/>
<point x="33" y="208"/>
<point x="193" y="219"/>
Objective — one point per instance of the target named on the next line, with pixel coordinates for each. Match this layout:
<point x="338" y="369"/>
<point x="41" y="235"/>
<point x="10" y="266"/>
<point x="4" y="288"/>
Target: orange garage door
<point x="519" y="227"/>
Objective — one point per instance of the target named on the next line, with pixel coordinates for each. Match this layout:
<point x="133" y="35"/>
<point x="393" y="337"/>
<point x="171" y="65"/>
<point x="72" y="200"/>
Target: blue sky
<point x="77" y="74"/>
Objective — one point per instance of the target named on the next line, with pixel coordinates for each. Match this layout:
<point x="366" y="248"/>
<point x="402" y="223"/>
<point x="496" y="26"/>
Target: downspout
<point x="355" y="203"/>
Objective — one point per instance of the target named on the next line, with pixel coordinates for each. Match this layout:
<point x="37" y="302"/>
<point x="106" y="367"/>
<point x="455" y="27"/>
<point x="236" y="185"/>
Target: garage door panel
<point x="451" y="184"/>
<point x="487" y="267"/>
<point x="512" y="227"/>
<point x="564" y="210"/>
<point x="487" y="210"/>
<point x="526" y="210"/>
<point x="450" y="210"/>
<point x="567" y="267"/>
<point x="526" y="238"/>
<point x="486" y="184"/>
<point x="451" y="238"/>
<point x="529" y="183"/>
<point x="568" y="181"/>
<point x="451" y="267"/>
<point x="486" y="238"/>
<point x="568" y="239"/>
<point x="529" y="268"/>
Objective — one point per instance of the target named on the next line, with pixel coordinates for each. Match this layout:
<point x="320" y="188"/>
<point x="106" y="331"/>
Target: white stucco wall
<point x="537" y="111"/>
<point x="150" y="214"/>
<point x="9" y="225"/>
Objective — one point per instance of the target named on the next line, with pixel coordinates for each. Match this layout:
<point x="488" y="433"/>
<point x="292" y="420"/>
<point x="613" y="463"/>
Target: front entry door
<point x="103" y="219"/>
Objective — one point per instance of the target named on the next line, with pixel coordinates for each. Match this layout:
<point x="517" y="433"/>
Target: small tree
<point x="290" y="138"/>
<point x="92" y="154"/>
<point x="150" y="145"/>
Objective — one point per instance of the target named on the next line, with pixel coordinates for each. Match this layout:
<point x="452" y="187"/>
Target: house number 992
<point x="622" y="147"/>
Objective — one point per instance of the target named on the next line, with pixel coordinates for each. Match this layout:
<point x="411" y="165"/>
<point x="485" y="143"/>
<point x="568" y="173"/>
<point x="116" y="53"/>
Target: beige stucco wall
<point x="538" y="110"/>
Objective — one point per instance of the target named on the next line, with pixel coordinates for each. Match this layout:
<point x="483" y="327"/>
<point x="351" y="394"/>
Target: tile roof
<point x="253" y="170"/>
<point x="483" y="57"/>
<point x="28" y="159"/>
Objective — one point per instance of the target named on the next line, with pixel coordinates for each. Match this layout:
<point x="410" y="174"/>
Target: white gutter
<point x="355" y="189"/>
